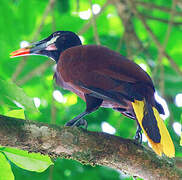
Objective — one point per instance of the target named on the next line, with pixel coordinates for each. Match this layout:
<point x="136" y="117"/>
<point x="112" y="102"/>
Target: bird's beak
<point x="32" y="49"/>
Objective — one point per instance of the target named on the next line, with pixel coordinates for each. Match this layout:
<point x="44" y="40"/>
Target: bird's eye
<point x="56" y="34"/>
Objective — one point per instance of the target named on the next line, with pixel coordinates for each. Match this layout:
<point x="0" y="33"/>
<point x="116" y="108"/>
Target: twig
<point x="169" y="24"/>
<point x="23" y="61"/>
<point x="154" y="6"/>
<point x="161" y="80"/>
<point x="87" y="147"/>
<point x="94" y="24"/>
<point x="19" y="68"/>
<point x="179" y="162"/>
<point x="39" y="70"/>
<point x="159" y="59"/>
<point x="173" y="64"/>
<point x="119" y="44"/>
<point x="170" y="100"/>
<point x="77" y="5"/>
<point x="89" y="23"/>
<point x="130" y="37"/>
<point x="48" y="9"/>
<point x="154" y="38"/>
<point x="51" y="169"/>
<point x="53" y="20"/>
<point x="53" y="110"/>
<point x="124" y="18"/>
<point x="160" y="19"/>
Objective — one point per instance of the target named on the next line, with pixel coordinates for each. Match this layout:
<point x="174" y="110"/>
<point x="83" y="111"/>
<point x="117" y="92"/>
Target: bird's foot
<point x="70" y="123"/>
<point x="77" y="123"/>
<point x="81" y="122"/>
<point x="138" y="135"/>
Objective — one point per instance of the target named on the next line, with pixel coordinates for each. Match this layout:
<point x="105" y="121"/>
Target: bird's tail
<point x="154" y="128"/>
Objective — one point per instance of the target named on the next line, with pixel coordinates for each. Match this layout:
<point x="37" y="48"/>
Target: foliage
<point x="119" y="29"/>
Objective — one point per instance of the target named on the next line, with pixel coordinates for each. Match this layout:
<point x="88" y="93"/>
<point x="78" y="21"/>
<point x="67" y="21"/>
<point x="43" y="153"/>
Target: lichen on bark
<point x="87" y="147"/>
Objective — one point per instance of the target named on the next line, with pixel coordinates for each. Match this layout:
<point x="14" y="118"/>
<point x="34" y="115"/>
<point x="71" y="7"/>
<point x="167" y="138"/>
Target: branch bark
<point x="86" y="147"/>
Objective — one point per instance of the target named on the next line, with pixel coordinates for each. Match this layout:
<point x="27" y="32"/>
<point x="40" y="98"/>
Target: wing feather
<point x="97" y="67"/>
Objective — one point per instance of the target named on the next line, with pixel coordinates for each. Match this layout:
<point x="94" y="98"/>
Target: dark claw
<point x="74" y="121"/>
<point x="81" y="122"/>
<point x="138" y="135"/>
<point x="78" y="123"/>
<point x="69" y="123"/>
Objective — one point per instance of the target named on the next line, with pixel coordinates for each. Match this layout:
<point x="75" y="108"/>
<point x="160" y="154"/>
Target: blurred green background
<point x="148" y="33"/>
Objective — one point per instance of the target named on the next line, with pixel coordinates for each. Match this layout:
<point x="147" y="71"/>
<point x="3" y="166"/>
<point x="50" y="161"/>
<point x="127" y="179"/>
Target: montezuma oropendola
<point x="102" y="77"/>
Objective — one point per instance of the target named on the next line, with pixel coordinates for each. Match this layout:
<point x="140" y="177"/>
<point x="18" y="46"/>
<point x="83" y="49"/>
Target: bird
<point x="105" y="78"/>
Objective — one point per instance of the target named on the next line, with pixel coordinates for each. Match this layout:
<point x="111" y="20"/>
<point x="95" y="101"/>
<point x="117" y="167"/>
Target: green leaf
<point x="16" y="95"/>
<point x="29" y="161"/>
<point x="5" y="169"/>
<point x="16" y="114"/>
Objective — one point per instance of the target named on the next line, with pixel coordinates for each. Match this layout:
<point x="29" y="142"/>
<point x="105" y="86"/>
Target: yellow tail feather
<point x="166" y="145"/>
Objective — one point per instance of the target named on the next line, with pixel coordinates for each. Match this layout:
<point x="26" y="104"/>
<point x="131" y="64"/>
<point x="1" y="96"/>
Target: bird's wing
<point x="104" y="73"/>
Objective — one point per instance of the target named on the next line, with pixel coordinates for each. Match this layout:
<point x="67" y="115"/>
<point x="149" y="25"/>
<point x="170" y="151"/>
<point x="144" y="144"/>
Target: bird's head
<point x="52" y="46"/>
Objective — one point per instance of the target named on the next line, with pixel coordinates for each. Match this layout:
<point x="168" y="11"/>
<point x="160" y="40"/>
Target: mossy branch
<point x="87" y="147"/>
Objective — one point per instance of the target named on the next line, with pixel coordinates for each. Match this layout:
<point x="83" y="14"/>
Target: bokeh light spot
<point x="106" y="127"/>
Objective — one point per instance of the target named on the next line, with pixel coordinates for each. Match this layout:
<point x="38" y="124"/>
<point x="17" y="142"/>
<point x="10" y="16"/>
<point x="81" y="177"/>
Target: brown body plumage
<point x="107" y="70"/>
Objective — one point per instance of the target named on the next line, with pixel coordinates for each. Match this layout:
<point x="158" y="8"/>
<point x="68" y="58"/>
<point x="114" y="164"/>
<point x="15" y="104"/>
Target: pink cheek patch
<point x="51" y="47"/>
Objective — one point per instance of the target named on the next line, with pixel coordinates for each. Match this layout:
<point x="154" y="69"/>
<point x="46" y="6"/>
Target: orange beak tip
<point x="20" y="52"/>
<point x="11" y="56"/>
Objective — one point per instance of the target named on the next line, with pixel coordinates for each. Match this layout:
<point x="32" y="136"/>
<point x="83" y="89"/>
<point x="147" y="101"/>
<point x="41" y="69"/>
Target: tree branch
<point x="87" y="25"/>
<point x="38" y="70"/>
<point x="94" y="24"/>
<point x="130" y="37"/>
<point x="151" y="6"/>
<point x="164" y="45"/>
<point x="154" y="38"/>
<point x="86" y="147"/>
<point x="146" y="16"/>
<point x="21" y="65"/>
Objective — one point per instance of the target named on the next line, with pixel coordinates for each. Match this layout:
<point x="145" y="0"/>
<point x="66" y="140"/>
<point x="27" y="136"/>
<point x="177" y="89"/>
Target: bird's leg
<point x="92" y="104"/>
<point x="75" y="121"/>
<point x="82" y="122"/>
<point x="138" y="135"/>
